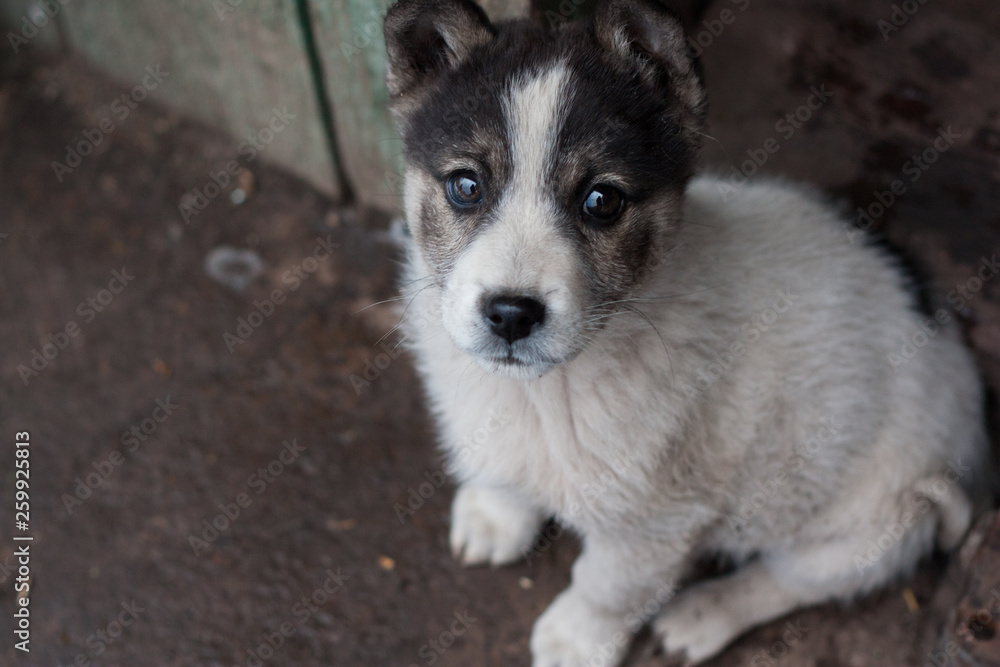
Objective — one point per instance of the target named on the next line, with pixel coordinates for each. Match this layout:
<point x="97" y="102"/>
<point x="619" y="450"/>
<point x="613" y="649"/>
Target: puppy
<point x="670" y="370"/>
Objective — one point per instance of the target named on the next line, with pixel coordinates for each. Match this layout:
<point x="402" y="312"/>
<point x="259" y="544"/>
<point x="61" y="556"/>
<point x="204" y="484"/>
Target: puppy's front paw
<point x="574" y="633"/>
<point x="491" y="526"/>
<point x="696" y="624"/>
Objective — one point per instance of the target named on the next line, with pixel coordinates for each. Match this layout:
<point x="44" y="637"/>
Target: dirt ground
<point x="146" y="428"/>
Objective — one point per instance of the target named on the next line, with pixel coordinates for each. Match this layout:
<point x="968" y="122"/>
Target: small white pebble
<point x="233" y="267"/>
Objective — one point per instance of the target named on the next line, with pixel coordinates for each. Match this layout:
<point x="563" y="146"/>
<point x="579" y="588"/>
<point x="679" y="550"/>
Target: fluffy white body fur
<point x="670" y="373"/>
<point x="756" y="378"/>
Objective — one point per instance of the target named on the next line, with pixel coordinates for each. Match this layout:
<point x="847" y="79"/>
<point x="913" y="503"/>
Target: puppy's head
<point x="544" y="170"/>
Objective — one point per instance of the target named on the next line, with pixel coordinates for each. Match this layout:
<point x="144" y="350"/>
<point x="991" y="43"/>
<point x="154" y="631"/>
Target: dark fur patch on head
<point x="622" y="123"/>
<point x="631" y="116"/>
<point x="462" y="121"/>
<point x="426" y="38"/>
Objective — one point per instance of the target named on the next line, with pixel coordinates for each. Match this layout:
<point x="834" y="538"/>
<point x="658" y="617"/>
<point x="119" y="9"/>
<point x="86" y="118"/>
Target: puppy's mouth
<point x="510" y="360"/>
<point x="515" y="366"/>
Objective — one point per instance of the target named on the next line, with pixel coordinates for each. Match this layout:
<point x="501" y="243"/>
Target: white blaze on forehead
<point x="527" y="252"/>
<point x="521" y="251"/>
<point x="533" y="118"/>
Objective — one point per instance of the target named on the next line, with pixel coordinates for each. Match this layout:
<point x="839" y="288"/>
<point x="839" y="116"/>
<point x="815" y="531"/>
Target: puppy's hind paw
<point x="491" y="526"/>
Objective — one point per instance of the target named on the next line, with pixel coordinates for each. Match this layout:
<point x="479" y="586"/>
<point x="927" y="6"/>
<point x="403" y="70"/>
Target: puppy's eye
<point x="603" y="204"/>
<point x="464" y="189"/>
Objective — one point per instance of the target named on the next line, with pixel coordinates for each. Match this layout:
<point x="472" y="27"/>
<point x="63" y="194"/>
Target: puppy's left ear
<point x="426" y="38"/>
<point x="647" y="35"/>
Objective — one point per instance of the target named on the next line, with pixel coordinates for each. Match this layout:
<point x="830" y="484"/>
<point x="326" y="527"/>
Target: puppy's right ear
<point x="426" y="38"/>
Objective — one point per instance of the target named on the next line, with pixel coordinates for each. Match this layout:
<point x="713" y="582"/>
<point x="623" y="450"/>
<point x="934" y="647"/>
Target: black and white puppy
<point x="669" y="372"/>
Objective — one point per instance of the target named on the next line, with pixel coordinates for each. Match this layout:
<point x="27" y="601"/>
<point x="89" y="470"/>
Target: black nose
<point x="511" y="317"/>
